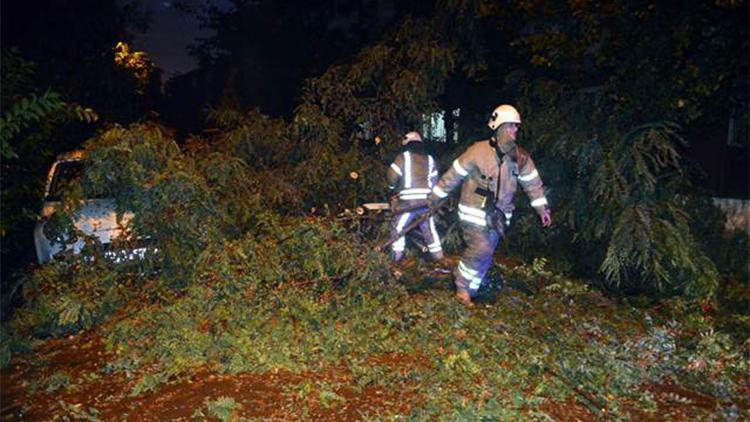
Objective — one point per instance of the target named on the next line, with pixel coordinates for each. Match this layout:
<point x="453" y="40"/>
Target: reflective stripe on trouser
<point x="476" y="259"/>
<point x="426" y="231"/>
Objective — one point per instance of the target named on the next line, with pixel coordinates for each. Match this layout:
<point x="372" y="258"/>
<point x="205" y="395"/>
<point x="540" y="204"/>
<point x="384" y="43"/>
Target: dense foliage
<point x="612" y="110"/>
<point x="31" y="117"/>
<point x="617" y="180"/>
<point x="59" y="77"/>
<point x="255" y="266"/>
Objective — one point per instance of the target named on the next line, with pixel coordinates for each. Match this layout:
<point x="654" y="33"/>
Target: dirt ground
<point x="87" y="391"/>
<point x="259" y="396"/>
<point x="83" y="359"/>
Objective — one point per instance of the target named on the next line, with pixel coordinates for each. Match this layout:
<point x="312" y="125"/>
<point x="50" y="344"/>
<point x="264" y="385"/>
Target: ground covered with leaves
<point x="372" y="347"/>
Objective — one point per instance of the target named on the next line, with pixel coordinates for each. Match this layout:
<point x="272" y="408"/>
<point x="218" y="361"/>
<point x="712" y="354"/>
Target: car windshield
<point x="67" y="174"/>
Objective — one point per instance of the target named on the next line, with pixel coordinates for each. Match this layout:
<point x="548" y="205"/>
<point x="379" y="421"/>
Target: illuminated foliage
<point x="136" y="62"/>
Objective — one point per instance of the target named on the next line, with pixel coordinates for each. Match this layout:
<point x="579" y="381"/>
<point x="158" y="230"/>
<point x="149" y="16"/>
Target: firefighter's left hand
<point x="546" y="218"/>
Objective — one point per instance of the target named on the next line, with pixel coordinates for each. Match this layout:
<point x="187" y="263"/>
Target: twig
<point x="291" y="235"/>
<point x="590" y="401"/>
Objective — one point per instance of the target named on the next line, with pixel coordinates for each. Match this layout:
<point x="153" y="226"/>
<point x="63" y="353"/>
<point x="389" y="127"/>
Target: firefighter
<point x="490" y="171"/>
<point x="411" y="177"/>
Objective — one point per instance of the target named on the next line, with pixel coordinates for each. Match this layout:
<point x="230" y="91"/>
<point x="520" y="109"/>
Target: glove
<point x="546" y="217"/>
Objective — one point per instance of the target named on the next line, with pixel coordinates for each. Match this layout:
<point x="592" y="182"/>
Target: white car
<point x="96" y="216"/>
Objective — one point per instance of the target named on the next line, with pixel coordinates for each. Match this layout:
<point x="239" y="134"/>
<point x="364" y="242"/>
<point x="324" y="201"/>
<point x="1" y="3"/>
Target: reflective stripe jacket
<point x="479" y="168"/>
<point x="412" y="174"/>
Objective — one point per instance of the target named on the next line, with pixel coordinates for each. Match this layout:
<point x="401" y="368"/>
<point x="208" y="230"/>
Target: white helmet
<point x="411" y="136"/>
<point x="503" y="114"/>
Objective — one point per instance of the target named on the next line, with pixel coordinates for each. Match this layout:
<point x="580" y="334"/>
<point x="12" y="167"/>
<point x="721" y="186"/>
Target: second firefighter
<point x="411" y="177"/>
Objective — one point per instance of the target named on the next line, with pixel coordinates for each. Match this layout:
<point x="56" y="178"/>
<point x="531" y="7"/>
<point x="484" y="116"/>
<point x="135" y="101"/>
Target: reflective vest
<point x="490" y="182"/>
<point x="412" y="175"/>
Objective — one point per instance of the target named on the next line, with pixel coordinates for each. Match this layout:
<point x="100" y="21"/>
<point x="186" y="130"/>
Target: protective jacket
<point x="490" y="182"/>
<point x="489" y="186"/>
<point x="412" y="175"/>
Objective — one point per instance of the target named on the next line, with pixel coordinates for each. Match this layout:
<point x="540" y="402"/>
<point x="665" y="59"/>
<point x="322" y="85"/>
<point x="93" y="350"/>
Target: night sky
<point x="170" y="32"/>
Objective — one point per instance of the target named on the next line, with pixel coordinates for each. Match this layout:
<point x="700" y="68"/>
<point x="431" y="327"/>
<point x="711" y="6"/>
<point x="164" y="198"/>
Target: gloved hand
<point x="546" y="217"/>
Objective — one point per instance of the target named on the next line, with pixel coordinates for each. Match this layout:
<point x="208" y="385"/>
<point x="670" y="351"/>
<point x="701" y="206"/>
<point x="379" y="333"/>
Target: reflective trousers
<point x="476" y="259"/>
<point x="425" y="231"/>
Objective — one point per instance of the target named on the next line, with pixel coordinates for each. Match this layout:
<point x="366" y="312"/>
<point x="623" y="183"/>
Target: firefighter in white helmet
<point x="411" y="177"/>
<point x="490" y="172"/>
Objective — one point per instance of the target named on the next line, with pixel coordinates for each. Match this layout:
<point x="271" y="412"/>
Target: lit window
<point x="434" y="126"/>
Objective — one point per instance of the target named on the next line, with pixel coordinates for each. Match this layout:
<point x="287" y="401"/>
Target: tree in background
<point x="607" y="91"/>
<point x="27" y="107"/>
<point x="73" y="46"/>
<point x="29" y="121"/>
<point x="327" y="155"/>
<point x="606" y="98"/>
<point x="261" y="52"/>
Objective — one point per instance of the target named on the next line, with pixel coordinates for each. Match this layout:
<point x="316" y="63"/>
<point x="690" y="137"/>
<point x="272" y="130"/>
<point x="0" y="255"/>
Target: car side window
<point x="67" y="174"/>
